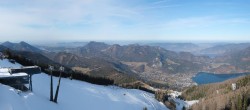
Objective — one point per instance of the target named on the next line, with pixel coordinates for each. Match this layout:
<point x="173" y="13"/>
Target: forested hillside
<point x="220" y="95"/>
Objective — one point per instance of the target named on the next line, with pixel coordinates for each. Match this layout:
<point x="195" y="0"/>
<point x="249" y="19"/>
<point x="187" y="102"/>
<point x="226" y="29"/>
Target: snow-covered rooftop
<point x="4" y="73"/>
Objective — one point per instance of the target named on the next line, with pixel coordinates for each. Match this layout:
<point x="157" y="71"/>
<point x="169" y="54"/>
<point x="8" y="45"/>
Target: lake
<point x="206" y="78"/>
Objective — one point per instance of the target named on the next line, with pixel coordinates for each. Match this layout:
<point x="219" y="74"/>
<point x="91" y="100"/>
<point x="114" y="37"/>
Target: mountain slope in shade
<point x="35" y="57"/>
<point x="95" y="66"/>
<point x="75" y="95"/>
<point x="21" y="46"/>
<point x="2" y="48"/>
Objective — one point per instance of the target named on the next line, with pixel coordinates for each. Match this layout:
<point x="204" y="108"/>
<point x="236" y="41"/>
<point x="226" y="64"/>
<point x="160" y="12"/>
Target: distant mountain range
<point x="234" y="61"/>
<point x="224" y="48"/>
<point x="148" y="63"/>
<point x="92" y="66"/>
<point x="178" y="47"/>
<point x="153" y="64"/>
<point x="154" y="57"/>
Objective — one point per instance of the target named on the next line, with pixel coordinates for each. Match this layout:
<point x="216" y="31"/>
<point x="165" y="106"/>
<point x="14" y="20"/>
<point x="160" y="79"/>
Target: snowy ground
<point x="74" y="95"/>
<point x="181" y="103"/>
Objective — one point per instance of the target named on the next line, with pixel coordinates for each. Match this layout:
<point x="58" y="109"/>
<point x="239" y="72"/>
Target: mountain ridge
<point x="21" y="46"/>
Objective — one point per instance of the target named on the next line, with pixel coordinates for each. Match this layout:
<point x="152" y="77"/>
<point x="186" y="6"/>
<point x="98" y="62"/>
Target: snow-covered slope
<point x="181" y="103"/>
<point x="74" y="95"/>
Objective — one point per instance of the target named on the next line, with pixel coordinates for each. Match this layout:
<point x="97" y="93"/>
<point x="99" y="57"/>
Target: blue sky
<point x="170" y="20"/>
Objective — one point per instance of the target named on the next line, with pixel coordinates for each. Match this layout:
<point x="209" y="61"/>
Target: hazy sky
<point x="77" y="20"/>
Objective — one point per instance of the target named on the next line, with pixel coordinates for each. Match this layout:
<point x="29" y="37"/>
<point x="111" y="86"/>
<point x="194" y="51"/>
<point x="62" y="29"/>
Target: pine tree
<point x="8" y="53"/>
<point x="239" y="105"/>
<point x="245" y="102"/>
<point x="183" y="108"/>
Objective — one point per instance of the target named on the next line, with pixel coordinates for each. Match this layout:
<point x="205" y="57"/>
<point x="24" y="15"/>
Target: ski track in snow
<point x="146" y="97"/>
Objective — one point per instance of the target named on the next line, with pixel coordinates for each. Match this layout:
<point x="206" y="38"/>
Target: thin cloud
<point x="160" y="2"/>
<point x="92" y="19"/>
<point x="235" y="21"/>
<point x="190" y="22"/>
<point x="51" y="18"/>
<point x="204" y="21"/>
<point x="161" y="6"/>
